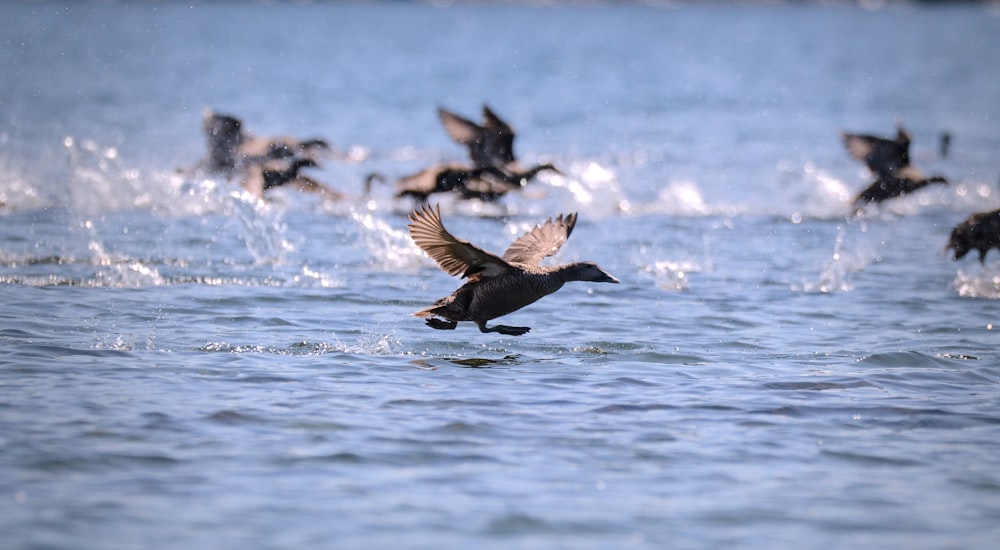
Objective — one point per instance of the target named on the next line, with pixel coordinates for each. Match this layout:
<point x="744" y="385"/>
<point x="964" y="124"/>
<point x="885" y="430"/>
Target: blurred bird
<point x="494" y="171"/>
<point x="223" y="136"/>
<point x="489" y="184"/>
<point x="443" y="178"/>
<point x="263" y="177"/>
<point x="489" y="144"/>
<point x="888" y="187"/>
<point x="496" y="285"/>
<point x="889" y="161"/>
<point x="883" y="156"/>
<point x="231" y="149"/>
<point x="491" y="147"/>
<point x="279" y="147"/>
<point x="485" y="184"/>
<point x="979" y="232"/>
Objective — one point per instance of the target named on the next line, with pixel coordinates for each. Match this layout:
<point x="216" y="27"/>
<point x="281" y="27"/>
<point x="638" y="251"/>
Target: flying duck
<point x="889" y="161"/>
<point x="496" y="285"/>
<point x="231" y="149"/>
<point x="888" y="187"/>
<point x="223" y="136"/>
<point x="883" y="156"/>
<point x="485" y="184"/>
<point x="980" y="231"/>
<point x="280" y="147"/>
<point x="442" y="178"/>
<point x="494" y="171"/>
<point x="491" y="183"/>
<point x="261" y="178"/>
<point x="491" y="145"/>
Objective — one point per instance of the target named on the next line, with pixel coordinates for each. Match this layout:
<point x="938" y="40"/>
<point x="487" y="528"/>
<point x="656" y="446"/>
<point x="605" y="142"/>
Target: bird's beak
<point x="607" y="279"/>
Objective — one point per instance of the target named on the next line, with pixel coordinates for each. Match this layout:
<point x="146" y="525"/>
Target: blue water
<point x="182" y="366"/>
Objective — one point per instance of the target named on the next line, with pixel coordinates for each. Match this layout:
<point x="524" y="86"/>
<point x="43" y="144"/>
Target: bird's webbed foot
<point x="504" y="329"/>
<point x="511" y="331"/>
<point x="441" y="324"/>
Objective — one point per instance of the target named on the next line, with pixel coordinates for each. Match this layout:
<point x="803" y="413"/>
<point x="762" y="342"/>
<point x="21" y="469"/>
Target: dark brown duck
<point x="260" y="178"/>
<point x="883" y="156"/>
<point x="497" y="285"/>
<point x="494" y="171"/>
<point x="889" y="160"/>
<point x="888" y="187"/>
<point x="979" y="232"/>
<point x="491" y="147"/>
<point x="231" y="149"/>
<point x="490" y="143"/>
<point x="443" y="178"/>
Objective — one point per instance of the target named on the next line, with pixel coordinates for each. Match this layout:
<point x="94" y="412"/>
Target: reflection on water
<point x="469" y="362"/>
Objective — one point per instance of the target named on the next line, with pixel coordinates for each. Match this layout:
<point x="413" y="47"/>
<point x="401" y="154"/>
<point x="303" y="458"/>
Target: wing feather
<point x="884" y="157"/>
<point x="455" y="256"/>
<point x="498" y="138"/>
<point x="860" y="146"/>
<point x="490" y="144"/>
<point x="424" y="181"/>
<point x="460" y="129"/>
<point x="542" y="241"/>
<point x="909" y="172"/>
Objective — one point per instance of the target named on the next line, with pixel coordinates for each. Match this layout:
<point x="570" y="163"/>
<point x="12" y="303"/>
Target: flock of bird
<point x="889" y="161"/>
<point x="494" y="171"/>
<point x="261" y="163"/>
<point x="497" y="285"/>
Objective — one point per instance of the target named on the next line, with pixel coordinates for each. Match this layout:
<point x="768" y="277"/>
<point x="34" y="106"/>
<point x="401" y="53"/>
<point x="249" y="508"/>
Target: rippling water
<point x="183" y="366"/>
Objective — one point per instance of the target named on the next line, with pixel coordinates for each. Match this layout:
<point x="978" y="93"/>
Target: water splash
<point x="17" y="192"/>
<point x="116" y="270"/>
<point x="130" y="275"/>
<point x="321" y="279"/>
<point x="823" y="196"/>
<point x="263" y="228"/>
<point x="389" y="248"/>
<point x="983" y="283"/>
<point x="836" y="272"/>
<point x="670" y="275"/>
<point x="98" y="180"/>
<point x="974" y="196"/>
<point x="586" y="186"/>
<point x="376" y="340"/>
<point x="679" y="198"/>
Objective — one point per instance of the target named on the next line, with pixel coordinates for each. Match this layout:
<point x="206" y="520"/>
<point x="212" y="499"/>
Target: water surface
<point x="183" y="366"/>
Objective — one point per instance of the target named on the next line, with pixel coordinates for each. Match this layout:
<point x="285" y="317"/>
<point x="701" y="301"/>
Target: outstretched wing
<point x="542" y="241"/>
<point x="882" y="156"/>
<point x="455" y="256"/>
<point x="490" y="145"/>
<point x="909" y="172"/>
<point x="423" y="182"/>
<point x="460" y="129"/>
<point x="498" y="138"/>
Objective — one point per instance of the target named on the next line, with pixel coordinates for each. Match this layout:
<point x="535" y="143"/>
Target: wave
<point x="92" y="182"/>
<point x="89" y="178"/>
